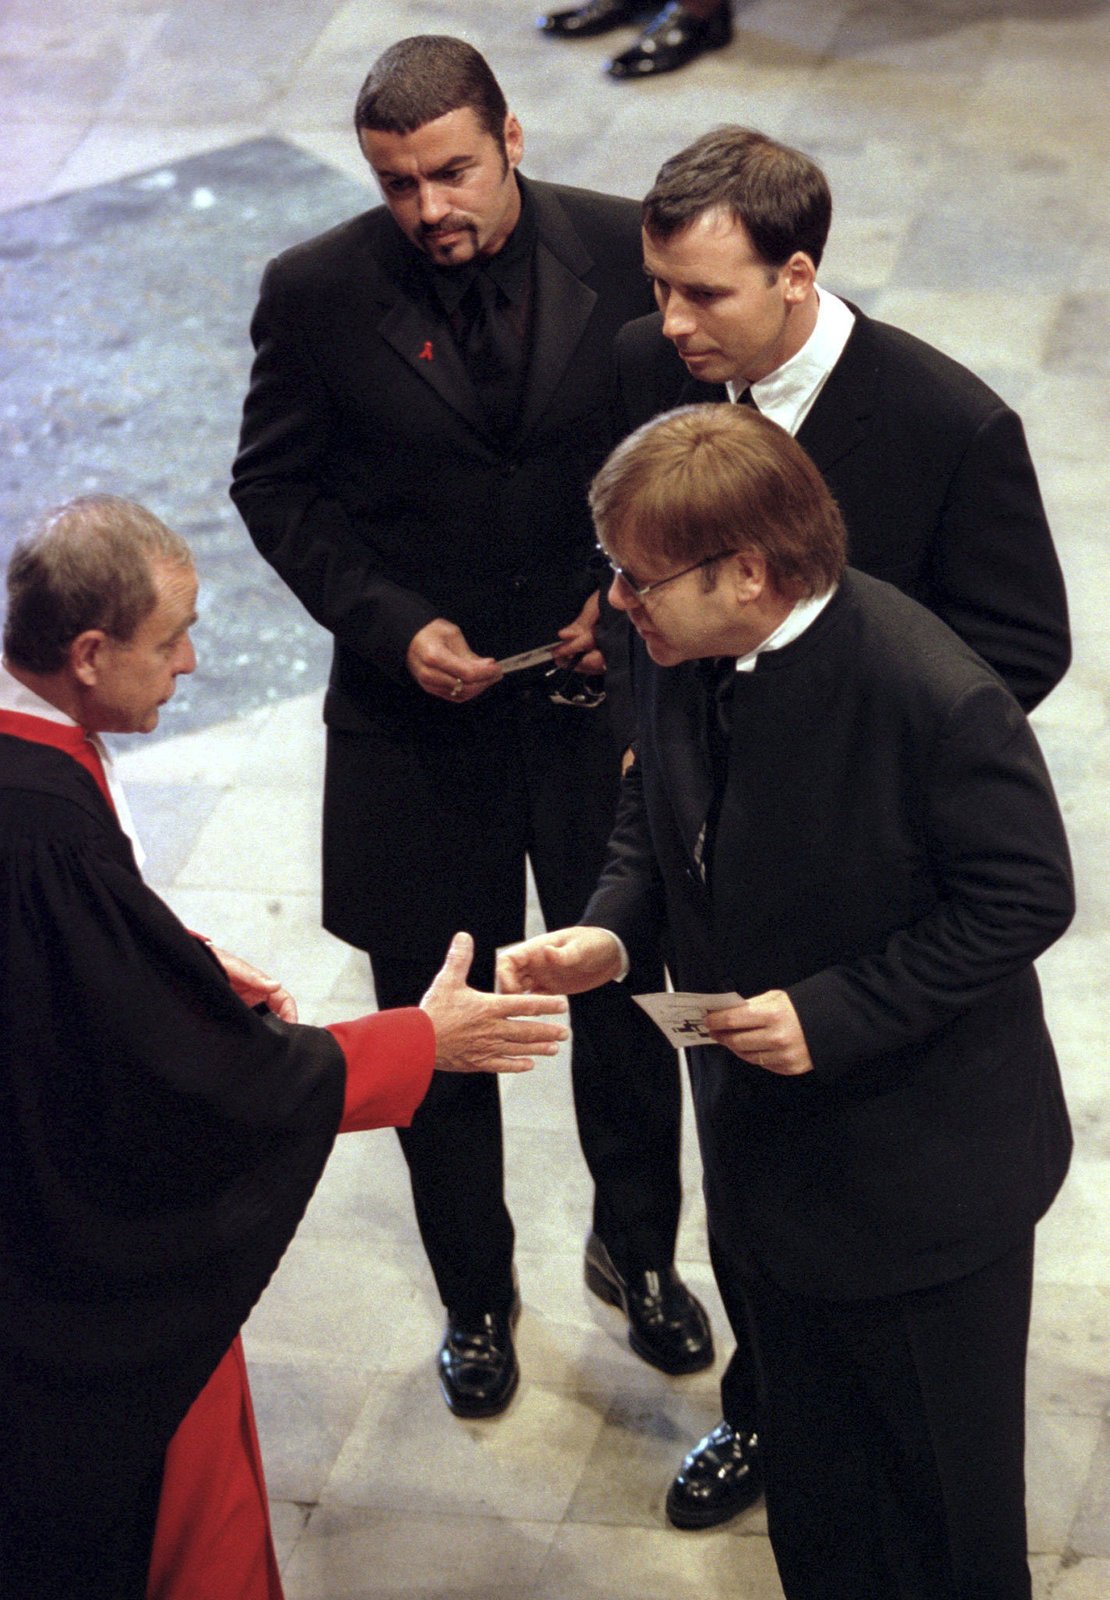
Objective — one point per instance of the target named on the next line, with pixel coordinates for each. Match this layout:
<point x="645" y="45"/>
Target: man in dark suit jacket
<point x="846" y="820"/>
<point x="928" y="466"/>
<point x="427" y="406"/>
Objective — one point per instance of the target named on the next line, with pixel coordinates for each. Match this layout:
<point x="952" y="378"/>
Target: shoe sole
<point x="695" y="1521"/>
<point x="605" y="1289"/>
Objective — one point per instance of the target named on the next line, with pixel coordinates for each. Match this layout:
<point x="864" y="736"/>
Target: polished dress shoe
<point x="666" y="1325"/>
<point x="478" y="1371"/>
<point x="597" y="16"/>
<point x="670" y="40"/>
<point x="719" y="1478"/>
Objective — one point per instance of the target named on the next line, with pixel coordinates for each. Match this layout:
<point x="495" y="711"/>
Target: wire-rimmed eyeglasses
<point x="642" y="590"/>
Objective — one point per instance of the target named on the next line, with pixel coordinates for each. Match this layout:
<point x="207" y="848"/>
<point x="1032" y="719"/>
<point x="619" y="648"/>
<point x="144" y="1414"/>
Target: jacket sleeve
<point x="1003" y="894"/>
<point x="994" y="575"/>
<point x="629" y="897"/>
<point x="294" y="516"/>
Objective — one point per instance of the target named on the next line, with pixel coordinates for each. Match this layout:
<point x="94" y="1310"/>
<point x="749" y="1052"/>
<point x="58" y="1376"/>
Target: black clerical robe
<point x="159" y="1142"/>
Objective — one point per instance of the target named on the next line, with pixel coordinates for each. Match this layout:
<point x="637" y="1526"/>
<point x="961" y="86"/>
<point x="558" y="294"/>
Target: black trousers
<point x="541" y="784"/>
<point x="893" y="1433"/>
<point x="740" y="1379"/>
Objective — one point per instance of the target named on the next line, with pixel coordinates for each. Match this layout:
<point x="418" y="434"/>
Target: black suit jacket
<point x="368" y="478"/>
<point x="932" y="474"/>
<point x="889" y="852"/>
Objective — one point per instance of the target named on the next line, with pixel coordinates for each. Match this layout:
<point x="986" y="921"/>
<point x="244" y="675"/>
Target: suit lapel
<point x="409" y="326"/>
<point x="562" y="306"/>
<point x="431" y="352"/>
<point x="842" y="413"/>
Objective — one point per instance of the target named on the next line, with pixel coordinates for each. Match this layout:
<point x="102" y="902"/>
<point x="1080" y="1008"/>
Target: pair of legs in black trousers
<point x="455" y="1157"/>
<point x="541" y="782"/>
<point x="892" y="1431"/>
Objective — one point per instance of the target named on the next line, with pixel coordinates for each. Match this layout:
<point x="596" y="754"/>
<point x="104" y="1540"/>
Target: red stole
<point x="62" y="736"/>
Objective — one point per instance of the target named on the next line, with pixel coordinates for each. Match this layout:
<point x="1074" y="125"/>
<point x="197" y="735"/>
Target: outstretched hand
<point x="567" y="961"/>
<point x="478" y="1032"/>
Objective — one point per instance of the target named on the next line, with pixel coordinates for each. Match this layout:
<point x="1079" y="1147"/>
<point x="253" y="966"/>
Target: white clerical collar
<point x="792" y="626"/>
<point x="787" y="394"/>
<point x="16" y="696"/>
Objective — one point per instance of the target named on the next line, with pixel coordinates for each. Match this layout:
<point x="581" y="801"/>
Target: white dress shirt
<point x="787" y="394"/>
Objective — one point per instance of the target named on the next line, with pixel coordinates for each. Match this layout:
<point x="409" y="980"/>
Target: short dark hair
<point x="419" y="79"/>
<point x="779" y="194"/>
<point x="711" y="478"/>
<point x="86" y="564"/>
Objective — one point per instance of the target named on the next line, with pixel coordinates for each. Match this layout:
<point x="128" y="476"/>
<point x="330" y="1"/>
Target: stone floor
<point x="967" y="143"/>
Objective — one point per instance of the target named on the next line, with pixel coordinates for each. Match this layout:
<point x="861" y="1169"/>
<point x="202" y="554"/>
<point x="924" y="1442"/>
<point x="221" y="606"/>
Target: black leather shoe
<point x="478" y="1371"/>
<point x="719" y="1478"/>
<point x="597" y="16"/>
<point x="666" y="1325"/>
<point x="670" y="40"/>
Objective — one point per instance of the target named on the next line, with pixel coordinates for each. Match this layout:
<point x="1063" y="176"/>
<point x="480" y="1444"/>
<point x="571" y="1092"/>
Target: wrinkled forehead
<point x="175" y="593"/>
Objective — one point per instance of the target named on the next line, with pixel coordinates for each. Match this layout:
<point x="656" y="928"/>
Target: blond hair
<point x="708" y="479"/>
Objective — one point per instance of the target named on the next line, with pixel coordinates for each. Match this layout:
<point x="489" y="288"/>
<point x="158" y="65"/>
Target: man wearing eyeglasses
<point x="841" y="816"/>
<point x="427" y="406"/>
<point x="929" y="467"/>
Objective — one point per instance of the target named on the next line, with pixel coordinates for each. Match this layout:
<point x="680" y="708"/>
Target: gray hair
<point x="85" y="564"/>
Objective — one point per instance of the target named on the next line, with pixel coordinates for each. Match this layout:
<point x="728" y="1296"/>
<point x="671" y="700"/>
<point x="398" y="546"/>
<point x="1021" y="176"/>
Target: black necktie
<point x="721" y="673"/>
<point x="747" y="399"/>
<point x="491" y="349"/>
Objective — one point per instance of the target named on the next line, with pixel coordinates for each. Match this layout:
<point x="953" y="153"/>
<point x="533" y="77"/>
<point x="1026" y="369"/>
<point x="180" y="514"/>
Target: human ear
<point x="749" y="575"/>
<point x="798" y="277"/>
<point x="514" y="140"/>
<point x="85" y="656"/>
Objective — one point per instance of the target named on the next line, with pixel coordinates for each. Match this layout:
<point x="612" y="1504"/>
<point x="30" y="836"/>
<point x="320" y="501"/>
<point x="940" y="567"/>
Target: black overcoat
<point x="368" y="478"/>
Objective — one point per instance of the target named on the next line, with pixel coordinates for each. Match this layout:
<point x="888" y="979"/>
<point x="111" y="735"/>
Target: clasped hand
<point x="763" y="1030"/>
<point x="254" y="987"/>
